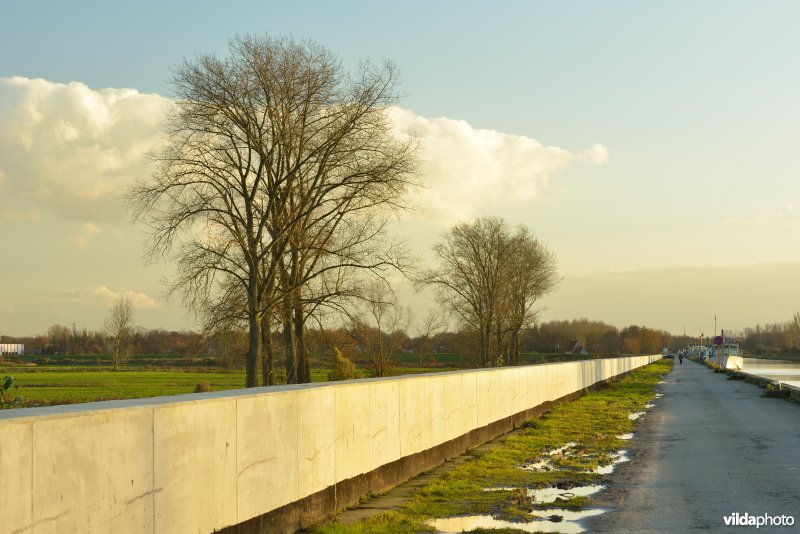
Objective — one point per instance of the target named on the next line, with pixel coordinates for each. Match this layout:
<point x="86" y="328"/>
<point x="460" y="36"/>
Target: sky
<point x="650" y="145"/>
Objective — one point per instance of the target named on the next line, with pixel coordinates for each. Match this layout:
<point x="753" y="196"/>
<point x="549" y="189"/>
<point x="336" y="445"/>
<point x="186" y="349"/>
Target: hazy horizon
<point x="650" y="147"/>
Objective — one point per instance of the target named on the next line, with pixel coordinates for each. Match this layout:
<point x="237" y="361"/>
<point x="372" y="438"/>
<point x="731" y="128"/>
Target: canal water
<point x="786" y="372"/>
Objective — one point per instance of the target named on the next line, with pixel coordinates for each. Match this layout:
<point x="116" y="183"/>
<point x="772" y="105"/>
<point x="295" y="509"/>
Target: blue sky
<point x="694" y="103"/>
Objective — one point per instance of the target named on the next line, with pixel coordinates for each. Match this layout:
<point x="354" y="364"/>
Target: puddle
<point x="616" y="459"/>
<point x="551" y="520"/>
<point x="635" y="416"/>
<point x="545" y="464"/>
<point x="551" y="495"/>
<point x="541" y="465"/>
<point x="627" y="436"/>
<point x="561" y="450"/>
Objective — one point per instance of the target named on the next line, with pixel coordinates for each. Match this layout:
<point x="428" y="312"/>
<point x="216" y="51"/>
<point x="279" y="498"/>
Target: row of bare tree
<point x="272" y="192"/>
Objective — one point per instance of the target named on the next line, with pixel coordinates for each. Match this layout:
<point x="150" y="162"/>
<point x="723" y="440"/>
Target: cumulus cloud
<point x="99" y="296"/>
<point x="82" y="237"/>
<point x="466" y="169"/>
<point x="138" y="299"/>
<point x="72" y="149"/>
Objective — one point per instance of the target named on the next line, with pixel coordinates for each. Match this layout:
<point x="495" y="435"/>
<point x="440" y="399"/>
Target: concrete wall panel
<point x="194" y="466"/>
<point x="435" y="410"/>
<point x="316" y="435"/>
<point x="92" y="473"/>
<point x="413" y="415"/>
<point x="384" y="424"/>
<point x="351" y="430"/>
<point x="470" y="399"/>
<point x="16" y="477"/>
<point x="454" y="406"/>
<point x="266" y="453"/>
<point x="483" y="394"/>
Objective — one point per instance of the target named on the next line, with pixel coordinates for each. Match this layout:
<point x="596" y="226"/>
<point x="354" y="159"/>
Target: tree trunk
<point x="515" y="347"/>
<point x="254" y="330"/>
<point x="289" y="342"/>
<point x="485" y="338"/>
<point x="267" y="375"/>
<point x="303" y="368"/>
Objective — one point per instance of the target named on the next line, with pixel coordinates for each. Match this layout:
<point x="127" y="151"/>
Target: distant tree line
<point x="61" y="340"/>
<point x="376" y="347"/>
<point x="773" y="338"/>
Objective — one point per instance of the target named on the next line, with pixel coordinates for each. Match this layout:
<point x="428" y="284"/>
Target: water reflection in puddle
<point x="616" y="459"/>
<point x="551" y="495"/>
<point x="545" y="464"/>
<point x="561" y="450"/>
<point x="541" y="465"/>
<point x="551" y="520"/>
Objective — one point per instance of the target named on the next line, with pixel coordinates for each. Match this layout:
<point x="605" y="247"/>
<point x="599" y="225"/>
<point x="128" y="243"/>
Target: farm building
<point x="12" y="348"/>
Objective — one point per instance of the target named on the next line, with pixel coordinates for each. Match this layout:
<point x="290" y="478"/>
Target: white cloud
<point x="72" y="149"/>
<point x="98" y="296"/>
<point x="138" y="299"/>
<point x="466" y="169"/>
<point x="596" y="153"/>
<point x="82" y="237"/>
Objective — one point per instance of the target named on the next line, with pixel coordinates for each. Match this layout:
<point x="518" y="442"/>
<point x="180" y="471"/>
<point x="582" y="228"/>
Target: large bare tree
<point x="264" y="147"/>
<point x="530" y="272"/>
<point x="489" y="278"/>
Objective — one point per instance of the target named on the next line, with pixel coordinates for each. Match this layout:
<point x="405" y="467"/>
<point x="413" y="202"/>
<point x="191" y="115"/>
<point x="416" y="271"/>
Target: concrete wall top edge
<point x="67" y="410"/>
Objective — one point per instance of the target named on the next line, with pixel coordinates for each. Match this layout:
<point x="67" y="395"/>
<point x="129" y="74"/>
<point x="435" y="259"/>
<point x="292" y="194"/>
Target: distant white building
<point x="12" y="348"/>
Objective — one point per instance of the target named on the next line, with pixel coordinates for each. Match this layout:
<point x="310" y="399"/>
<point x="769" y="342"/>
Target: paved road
<point x="710" y="448"/>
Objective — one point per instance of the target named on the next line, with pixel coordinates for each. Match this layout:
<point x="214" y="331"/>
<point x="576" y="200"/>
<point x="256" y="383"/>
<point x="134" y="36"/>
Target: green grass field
<point x="67" y="385"/>
<point x="67" y="379"/>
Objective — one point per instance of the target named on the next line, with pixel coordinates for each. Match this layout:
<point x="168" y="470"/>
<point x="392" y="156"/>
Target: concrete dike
<point x="264" y="459"/>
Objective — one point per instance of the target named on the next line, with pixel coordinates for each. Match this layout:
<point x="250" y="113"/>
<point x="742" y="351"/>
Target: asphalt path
<point x="711" y="447"/>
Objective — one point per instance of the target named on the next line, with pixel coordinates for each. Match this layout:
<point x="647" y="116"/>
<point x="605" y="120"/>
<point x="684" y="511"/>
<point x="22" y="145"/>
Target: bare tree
<point x="382" y="329"/>
<point x="431" y="324"/>
<point x="469" y="275"/>
<point x="530" y="273"/>
<point x="489" y="279"/>
<point x="119" y="328"/>
<point x="264" y="147"/>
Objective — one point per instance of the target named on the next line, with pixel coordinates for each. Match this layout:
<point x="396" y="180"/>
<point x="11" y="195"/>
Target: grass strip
<point x="592" y="423"/>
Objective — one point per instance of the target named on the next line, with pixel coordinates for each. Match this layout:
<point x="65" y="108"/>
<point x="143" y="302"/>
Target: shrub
<point x="343" y="368"/>
<point x="202" y="387"/>
<point x="7" y="383"/>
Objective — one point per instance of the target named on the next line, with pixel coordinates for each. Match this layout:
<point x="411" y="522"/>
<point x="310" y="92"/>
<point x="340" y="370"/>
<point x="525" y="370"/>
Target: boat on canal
<point x="729" y="353"/>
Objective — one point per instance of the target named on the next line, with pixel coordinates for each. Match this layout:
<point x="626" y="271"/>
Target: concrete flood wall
<point x="258" y="460"/>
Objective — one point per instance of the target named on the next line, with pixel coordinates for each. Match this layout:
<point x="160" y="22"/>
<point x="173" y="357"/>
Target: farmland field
<point x="59" y="385"/>
<point x="67" y="379"/>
